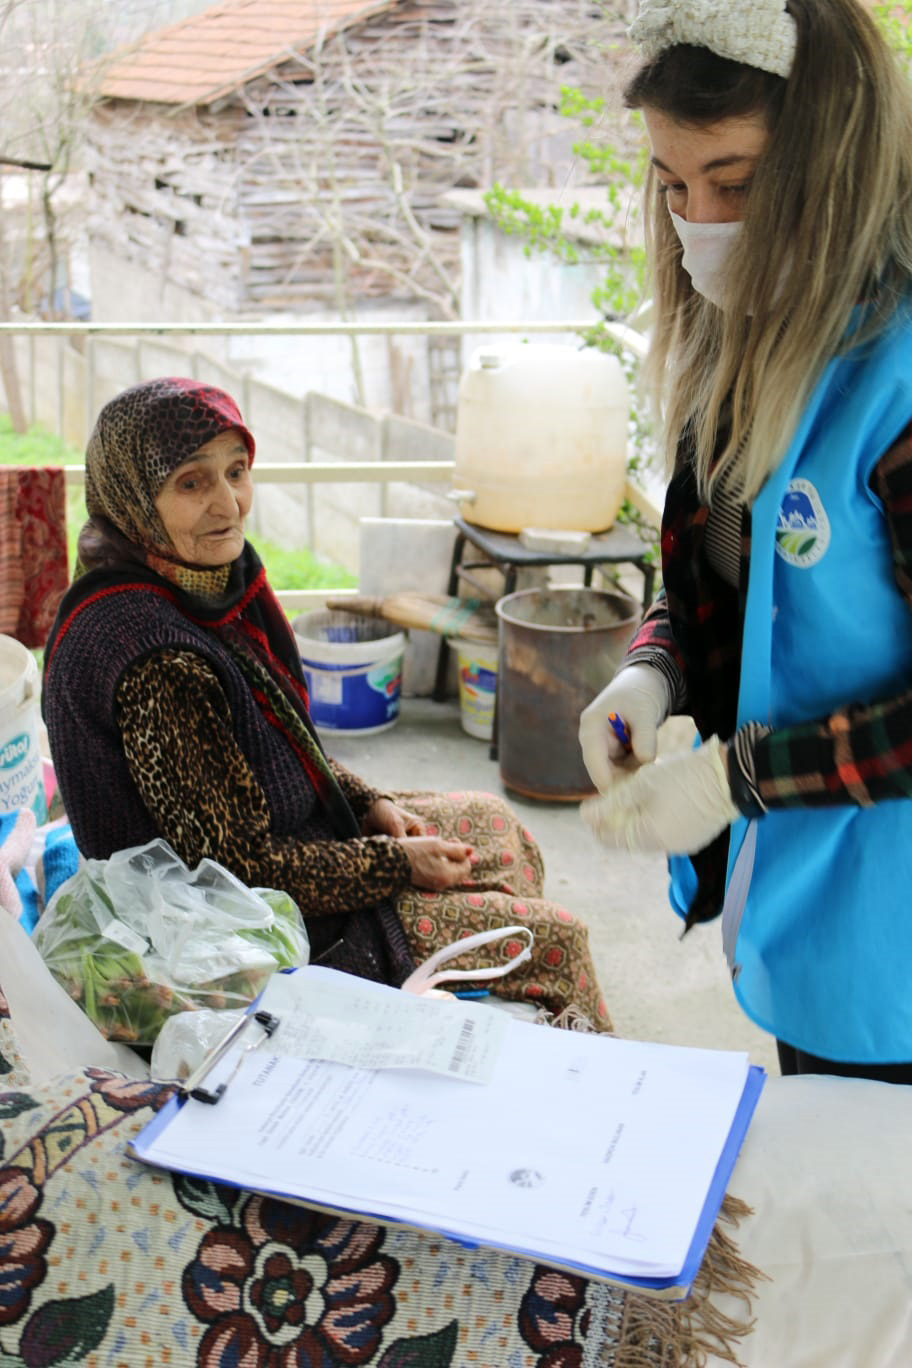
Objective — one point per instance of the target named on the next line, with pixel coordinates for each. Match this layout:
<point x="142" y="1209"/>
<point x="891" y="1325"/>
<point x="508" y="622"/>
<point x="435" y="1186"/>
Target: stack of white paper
<point x="579" y="1149"/>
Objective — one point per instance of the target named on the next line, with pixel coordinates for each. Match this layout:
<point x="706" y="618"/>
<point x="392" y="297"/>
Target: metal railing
<point x="342" y="472"/>
<point x="622" y="332"/>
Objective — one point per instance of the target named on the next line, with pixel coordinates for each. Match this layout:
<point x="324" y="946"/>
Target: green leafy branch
<point x="896" y="22"/>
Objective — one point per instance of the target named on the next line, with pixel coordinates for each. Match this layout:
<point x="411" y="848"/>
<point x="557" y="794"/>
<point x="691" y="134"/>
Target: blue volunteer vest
<point x="818" y="916"/>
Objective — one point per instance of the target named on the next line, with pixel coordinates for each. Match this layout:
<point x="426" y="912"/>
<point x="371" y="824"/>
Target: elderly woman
<point x="176" y="708"/>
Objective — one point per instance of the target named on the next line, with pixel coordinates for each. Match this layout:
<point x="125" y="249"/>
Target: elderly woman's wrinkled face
<point x="205" y="500"/>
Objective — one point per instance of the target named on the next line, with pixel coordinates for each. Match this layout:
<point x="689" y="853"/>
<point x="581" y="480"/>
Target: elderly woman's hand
<point x="437" y="864"/>
<point x="386" y="818"/>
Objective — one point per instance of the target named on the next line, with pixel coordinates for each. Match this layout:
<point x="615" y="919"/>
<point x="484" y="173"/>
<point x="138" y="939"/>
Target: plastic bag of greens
<point x="139" y="937"/>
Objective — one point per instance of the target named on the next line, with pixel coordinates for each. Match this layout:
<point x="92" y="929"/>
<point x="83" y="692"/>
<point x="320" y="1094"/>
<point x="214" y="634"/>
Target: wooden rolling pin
<point x="469" y="618"/>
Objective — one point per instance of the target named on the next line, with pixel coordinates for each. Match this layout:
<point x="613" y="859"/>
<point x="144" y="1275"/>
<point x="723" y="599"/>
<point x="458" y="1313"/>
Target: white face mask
<point x="706" y="250"/>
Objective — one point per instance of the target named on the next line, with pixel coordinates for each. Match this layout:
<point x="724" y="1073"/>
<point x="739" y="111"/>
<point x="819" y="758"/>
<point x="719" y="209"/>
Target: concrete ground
<point x="657" y="986"/>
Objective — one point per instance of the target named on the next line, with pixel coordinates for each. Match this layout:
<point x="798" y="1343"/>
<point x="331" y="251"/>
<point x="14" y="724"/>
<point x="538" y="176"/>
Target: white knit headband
<point x="759" y="33"/>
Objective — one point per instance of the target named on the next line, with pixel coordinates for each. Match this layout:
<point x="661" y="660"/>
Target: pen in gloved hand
<point x="619" y="727"/>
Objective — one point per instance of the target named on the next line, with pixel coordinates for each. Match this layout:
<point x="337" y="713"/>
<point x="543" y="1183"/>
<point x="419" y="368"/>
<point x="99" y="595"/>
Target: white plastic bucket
<point x="477" y="686"/>
<point x="353" y="668"/>
<point x="21" y="776"/>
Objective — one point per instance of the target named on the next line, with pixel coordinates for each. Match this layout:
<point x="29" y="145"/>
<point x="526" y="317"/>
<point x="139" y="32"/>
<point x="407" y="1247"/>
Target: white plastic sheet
<point x="54" y="1035"/>
<point x="825" y="1166"/>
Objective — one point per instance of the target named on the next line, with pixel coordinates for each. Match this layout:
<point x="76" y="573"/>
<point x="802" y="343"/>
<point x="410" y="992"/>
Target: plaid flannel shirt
<point x="861" y="753"/>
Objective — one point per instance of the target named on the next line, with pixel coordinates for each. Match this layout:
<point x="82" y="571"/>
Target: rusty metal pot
<point x="558" y="648"/>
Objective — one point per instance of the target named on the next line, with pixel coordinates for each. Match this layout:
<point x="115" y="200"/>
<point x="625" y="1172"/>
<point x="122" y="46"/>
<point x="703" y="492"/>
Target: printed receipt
<point x="335" y="1019"/>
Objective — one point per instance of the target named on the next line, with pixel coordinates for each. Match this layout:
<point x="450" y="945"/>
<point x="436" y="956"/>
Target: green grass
<point x="286" y="569"/>
<point x="300" y="569"/>
<point x="35" y="447"/>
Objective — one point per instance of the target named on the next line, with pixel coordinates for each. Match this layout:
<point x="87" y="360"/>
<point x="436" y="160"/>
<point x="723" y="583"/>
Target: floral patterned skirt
<point x="506" y="891"/>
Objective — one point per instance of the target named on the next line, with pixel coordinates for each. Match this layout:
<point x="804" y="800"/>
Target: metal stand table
<point x="505" y="551"/>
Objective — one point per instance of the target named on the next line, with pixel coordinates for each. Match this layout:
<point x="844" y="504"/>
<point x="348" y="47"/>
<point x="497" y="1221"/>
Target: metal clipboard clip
<point x="192" y="1086"/>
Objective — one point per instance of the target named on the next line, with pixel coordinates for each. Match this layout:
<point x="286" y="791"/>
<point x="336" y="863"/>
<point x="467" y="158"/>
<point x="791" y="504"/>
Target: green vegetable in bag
<point x="137" y="938"/>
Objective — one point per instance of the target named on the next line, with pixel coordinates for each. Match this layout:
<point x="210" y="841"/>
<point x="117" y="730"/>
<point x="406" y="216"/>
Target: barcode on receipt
<point x="462" y="1044"/>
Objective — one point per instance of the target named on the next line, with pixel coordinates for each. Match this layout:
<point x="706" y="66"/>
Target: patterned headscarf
<point x="140" y="437"/>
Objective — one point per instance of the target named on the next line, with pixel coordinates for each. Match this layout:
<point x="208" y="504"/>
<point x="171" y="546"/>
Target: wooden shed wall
<point x="164" y="194"/>
<point x="319" y="186"/>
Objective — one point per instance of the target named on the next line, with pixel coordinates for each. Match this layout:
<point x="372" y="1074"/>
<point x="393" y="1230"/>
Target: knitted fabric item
<point x="104" y="627"/>
<point x="58" y="862"/>
<point x="761" y="34"/>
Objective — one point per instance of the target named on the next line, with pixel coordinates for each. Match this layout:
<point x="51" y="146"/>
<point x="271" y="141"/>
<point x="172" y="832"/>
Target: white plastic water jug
<point x="21" y="779"/>
<point x="541" y="438"/>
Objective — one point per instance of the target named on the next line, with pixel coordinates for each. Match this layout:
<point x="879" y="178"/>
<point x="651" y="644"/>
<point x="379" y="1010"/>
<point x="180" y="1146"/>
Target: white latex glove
<point x="678" y="805"/>
<point x="641" y="696"/>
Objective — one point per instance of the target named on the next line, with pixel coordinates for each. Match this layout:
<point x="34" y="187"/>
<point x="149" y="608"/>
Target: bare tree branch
<point x="352" y="141"/>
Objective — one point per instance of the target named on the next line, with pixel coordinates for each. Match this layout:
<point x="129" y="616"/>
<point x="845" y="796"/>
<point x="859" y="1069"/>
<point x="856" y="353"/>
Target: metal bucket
<point x="558" y="649"/>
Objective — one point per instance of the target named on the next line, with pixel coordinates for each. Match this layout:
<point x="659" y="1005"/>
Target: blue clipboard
<point x="673" y="1288"/>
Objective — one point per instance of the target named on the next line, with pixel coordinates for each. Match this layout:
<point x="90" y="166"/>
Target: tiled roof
<point x="207" y="57"/>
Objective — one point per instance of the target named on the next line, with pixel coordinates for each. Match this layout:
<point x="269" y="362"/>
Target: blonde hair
<point x="828" y="225"/>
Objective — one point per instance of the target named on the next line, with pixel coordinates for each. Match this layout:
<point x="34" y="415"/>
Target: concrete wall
<point x="499" y="282"/>
<point x="394" y="369"/>
<point x="123" y="291"/>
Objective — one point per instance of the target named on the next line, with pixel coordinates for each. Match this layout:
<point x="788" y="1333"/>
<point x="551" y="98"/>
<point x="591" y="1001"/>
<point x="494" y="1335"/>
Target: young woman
<point x="175" y="706"/>
<point x="780" y="215"/>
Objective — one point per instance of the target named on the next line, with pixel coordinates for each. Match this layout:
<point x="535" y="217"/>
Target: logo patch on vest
<point x="802" y="527"/>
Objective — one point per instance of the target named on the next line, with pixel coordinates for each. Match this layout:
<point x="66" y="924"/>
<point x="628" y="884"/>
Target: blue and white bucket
<point x="477" y="686"/>
<point x="353" y="668"/>
<point x="21" y="774"/>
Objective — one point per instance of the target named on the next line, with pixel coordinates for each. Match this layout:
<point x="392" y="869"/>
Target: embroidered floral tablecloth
<point x="107" y="1262"/>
